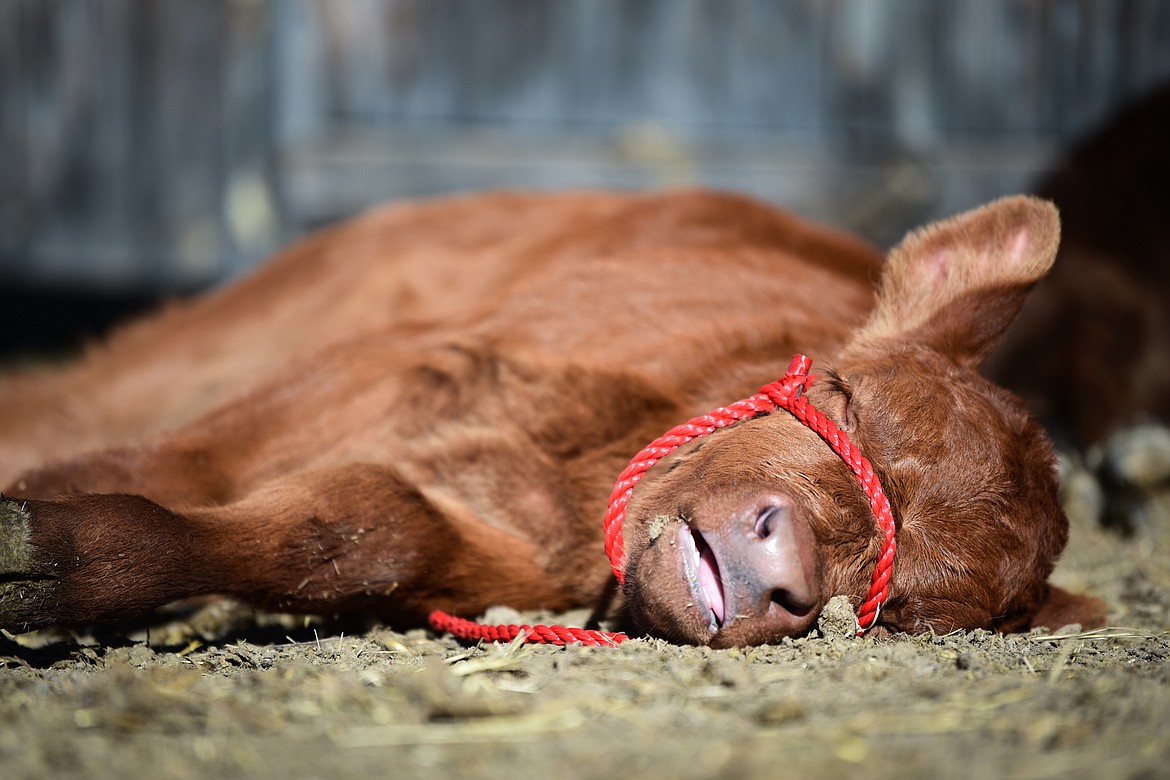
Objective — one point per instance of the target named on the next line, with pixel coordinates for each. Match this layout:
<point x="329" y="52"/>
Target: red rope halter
<point x="786" y="394"/>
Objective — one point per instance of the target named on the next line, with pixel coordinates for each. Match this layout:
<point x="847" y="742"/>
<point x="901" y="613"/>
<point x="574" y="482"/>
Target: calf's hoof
<point x="23" y="590"/>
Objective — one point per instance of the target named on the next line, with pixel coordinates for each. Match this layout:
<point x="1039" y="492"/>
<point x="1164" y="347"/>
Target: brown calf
<point x="426" y="408"/>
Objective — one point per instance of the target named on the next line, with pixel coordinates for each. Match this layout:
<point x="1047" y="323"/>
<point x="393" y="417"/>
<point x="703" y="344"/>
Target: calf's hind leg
<point x="356" y="539"/>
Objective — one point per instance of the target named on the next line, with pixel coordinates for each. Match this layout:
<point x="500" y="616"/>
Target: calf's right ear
<point x="957" y="285"/>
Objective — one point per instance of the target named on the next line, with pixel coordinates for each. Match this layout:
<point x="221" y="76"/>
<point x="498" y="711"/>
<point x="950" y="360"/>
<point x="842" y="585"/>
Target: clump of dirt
<point x="223" y="690"/>
<point x="837" y="620"/>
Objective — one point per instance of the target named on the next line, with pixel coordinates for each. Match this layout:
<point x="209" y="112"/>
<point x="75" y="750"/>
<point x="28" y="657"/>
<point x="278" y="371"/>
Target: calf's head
<point x="743" y="537"/>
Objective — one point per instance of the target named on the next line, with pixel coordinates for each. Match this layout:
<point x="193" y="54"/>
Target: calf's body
<point x="425" y="408"/>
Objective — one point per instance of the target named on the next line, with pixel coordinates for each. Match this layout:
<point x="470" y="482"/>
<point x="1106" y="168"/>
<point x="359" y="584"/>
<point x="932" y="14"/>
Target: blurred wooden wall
<point x="166" y="144"/>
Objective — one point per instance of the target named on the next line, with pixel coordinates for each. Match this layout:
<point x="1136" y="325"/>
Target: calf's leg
<point x="356" y="539"/>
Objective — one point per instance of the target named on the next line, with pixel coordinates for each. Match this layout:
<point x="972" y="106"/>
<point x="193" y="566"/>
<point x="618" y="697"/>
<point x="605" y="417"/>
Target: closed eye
<point x="839" y="406"/>
<point x="838" y="383"/>
<point x="680" y="459"/>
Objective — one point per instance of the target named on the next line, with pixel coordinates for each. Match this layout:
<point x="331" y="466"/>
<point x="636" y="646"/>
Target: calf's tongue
<point x="710" y="583"/>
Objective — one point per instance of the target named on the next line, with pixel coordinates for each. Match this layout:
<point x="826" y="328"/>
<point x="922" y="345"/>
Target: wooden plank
<point x="148" y="130"/>
<point x="602" y="63"/>
<point x="15" y="180"/>
<point x="879" y="199"/>
<point x="707" y="67"/>
<point x="157" y="142"/>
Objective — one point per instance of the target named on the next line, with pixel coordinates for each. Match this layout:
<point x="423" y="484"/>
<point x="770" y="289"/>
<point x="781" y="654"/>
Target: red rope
<point x="785" y="394"/>
<point x="549" y="635"/>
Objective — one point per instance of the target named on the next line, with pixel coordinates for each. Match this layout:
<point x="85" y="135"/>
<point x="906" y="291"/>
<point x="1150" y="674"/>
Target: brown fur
<point x="426" y="407"/>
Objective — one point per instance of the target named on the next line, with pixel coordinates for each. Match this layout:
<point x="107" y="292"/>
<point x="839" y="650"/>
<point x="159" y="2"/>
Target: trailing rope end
<point x="799" y="366"/>
<point x="470" y="631"/>
<point x="869" y="621"/>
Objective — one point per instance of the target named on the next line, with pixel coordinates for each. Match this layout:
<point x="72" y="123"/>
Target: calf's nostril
<point x="766" y="520"/>
<point x="790" y="604"/>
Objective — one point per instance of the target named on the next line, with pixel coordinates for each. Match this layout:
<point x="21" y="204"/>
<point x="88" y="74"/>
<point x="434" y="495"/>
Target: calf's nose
<point x="766" y="565"/>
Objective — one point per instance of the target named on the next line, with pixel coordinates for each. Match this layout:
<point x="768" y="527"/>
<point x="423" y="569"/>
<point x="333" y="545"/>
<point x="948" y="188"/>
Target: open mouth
<point x="702" y="571"/>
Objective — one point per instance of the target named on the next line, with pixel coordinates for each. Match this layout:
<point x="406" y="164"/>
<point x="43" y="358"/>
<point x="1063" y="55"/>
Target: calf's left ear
<point x="956" y="285"/>
<point x="1061" y="608"/>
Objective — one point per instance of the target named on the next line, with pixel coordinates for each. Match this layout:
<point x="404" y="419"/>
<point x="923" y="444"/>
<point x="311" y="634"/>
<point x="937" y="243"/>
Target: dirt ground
<point x="222" y="691"/>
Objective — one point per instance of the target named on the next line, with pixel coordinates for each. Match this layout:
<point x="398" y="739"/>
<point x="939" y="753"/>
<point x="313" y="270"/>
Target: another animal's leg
<point x="353" y="539"/>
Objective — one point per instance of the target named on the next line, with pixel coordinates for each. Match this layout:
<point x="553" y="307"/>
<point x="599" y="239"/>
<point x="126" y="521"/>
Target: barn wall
<point x="166" y="144"/>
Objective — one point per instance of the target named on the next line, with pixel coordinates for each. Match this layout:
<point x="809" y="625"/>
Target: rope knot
<point x="792" y="385"/>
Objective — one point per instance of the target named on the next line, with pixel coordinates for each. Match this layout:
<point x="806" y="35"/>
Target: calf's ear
<point x="956" y="285"/>
<point x="1061" y="608"/>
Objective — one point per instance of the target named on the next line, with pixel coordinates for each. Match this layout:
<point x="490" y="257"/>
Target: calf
<point x="425" y="408"/>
